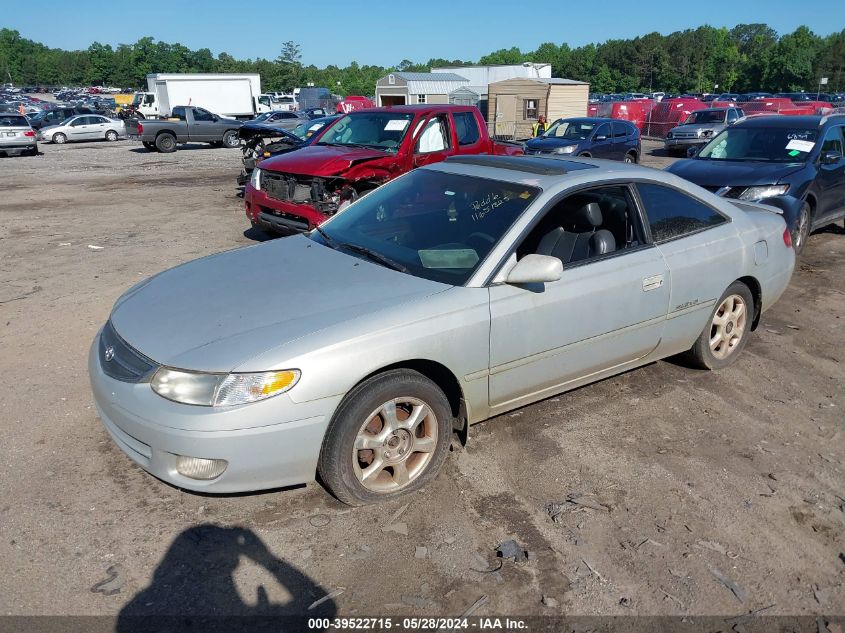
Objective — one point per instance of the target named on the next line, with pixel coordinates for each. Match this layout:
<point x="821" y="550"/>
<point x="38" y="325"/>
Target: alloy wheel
<point x="728" y="326"/>
<point x="395" y="444"/>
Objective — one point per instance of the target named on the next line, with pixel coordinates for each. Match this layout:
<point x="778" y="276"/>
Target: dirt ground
<point x="687" y="477"/>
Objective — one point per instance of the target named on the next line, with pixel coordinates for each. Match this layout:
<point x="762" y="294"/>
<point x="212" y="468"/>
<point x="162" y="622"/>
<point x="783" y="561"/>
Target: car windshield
<point x="263" y="117"/>
<point x="379" y="130"/>
<point x="8" y="120"/>
<point x="572" y="130"/>
<point x="706" y="116"/>
<point x="429" y="224"/>
<point x="765" y="144"/>
<point x="310" y="128"/>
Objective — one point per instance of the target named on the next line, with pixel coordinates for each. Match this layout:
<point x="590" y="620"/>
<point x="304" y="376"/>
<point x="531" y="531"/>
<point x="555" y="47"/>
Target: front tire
<point x="111" y="136"/>
<point x="389" y="437"/>
<point x="801" y="233"/>
<point x="231" y="140"/>
<point x="631" y="158"/>
<point x="59" y="138"/>
<point x="727" y="330"/>
<point x="166" y="143"/>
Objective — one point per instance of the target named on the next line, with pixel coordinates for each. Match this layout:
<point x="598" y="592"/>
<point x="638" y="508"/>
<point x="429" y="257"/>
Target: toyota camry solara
<point x="452" y="294"/>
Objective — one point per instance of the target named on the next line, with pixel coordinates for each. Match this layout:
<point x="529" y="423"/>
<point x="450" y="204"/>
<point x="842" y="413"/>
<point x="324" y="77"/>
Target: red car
<point x="297" y="191"/>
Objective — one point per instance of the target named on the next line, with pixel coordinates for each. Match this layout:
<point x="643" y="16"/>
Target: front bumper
<point x="671" y="143"/>
<point x="278" y="215"/>
<point x="267" y="444"/>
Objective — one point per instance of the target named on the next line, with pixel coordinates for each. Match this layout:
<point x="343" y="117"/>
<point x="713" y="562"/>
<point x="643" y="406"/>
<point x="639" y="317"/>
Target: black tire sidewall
<point x="799" y="248"/>
<point x="701" y="352"/>
<point x="230" y="135"/>
<point x="165" y="143"/>
<point x="335" y="463"/>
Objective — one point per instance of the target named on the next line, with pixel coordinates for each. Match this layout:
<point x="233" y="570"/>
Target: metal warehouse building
<point x="515" y="104"/>
<point x="401" y="88"/>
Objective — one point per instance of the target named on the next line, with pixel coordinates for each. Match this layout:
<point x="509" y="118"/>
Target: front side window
<point x="466" y="128"/>
<point x="530" y="108"/>
<point x="586" y="225"/>
<point x="672" y="214"/>
<point x="264" y="101"/>
<point x="833" y="140"/>
<point x="378" y="130"/>
<point x="434" y="136"/>
<point x="603" y="132"/>
<point x="761" y="144"/>
<point x="433" y="225"/>
<point x="202" y="115"/>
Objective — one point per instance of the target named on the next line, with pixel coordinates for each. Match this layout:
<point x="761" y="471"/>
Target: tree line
<point x="706" y="59"/>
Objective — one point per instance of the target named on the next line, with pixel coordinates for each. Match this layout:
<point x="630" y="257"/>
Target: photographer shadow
<point x="193" y="588"/>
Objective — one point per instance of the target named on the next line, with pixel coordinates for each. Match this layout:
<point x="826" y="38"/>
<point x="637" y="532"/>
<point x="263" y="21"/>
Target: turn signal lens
<point x="244" y="388"/>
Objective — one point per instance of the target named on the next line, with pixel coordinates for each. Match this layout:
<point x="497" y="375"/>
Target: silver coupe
<point x="452" y="294"/>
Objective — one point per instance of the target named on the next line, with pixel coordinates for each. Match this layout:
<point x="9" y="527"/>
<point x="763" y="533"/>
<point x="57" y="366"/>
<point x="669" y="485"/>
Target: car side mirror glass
<point x="535" y="269"/>
<point x="831" y="157"/>
<point x="692" y="151"/>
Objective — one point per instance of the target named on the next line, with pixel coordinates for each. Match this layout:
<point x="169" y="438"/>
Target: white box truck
<point x="227" y="94"/>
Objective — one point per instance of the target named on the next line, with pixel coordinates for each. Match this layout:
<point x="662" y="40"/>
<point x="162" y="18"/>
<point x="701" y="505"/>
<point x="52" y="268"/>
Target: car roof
<point x="779" y="121"/>
<point x="543" y="171"/>
<point x="417" y="109"/>
<point x="592" y="119"/>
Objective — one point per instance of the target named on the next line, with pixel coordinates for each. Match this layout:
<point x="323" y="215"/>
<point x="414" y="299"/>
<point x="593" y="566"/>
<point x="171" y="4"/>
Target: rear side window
<point x="466" y="128"/>
<point x="672" y="214"/>
<point x="620" y="130"/>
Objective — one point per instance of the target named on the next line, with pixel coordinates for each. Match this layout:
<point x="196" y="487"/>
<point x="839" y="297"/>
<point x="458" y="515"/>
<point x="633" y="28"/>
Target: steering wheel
<point x="489" y="240"/>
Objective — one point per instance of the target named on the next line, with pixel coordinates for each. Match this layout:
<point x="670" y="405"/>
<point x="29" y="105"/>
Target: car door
<point x="78" y="129"/>
<point x="703" y="252"/>
<point x="606" y="312"/>
<point x="204" y="126"/>
<point x="620" y="140"/>
<point x="830" y="181"/>
<point x="97" y="127"/>
<point x="433" y="140"/>
<point x="601" y="142"/>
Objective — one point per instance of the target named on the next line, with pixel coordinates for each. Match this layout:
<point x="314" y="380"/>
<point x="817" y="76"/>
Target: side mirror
<point x="692" y="151"/>
<point x="216" y="118"/>
<point x="535" y="269"/>
<point x="831" y="157"/>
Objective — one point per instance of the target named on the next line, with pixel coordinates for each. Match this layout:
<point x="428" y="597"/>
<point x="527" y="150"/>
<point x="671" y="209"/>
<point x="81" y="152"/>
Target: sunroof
<point x="528" y="164"/>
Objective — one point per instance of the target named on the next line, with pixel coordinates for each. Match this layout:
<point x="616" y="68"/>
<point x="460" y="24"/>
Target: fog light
<point x="199" y="468"/>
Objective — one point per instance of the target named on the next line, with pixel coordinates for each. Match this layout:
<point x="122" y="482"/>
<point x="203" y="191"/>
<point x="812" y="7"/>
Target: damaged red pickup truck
<point x="297" y="191"/>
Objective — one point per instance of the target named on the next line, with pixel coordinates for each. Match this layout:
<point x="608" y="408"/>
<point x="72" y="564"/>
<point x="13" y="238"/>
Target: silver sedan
<point x="452" y="294"/>
<point x="84" y="127"/>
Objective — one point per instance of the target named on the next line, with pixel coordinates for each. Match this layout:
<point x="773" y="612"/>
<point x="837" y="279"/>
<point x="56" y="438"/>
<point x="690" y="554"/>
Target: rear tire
<point x="727" y="329"/>
<point x="59" y="138"/>
<point x="389" y="436"/>
<point x="631" y="157"/>
<point x="166" y="143"/>
<point x="231" y="140"/>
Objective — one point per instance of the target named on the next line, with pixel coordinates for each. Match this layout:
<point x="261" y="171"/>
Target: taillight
<point x="787" y="238"/>
<point x="140" y="129"/>
<point x="29" y="133"/>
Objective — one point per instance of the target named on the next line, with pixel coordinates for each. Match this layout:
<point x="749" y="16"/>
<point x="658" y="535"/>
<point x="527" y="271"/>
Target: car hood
<point x="266" y="130"/>
<point x="322" y="160"/>
<point x="695" y="127"/>
<point x="216" y="313"/>
<point x="49" y="128"/>
<point x="727" y="173"/>
<point x="549" y="144"/>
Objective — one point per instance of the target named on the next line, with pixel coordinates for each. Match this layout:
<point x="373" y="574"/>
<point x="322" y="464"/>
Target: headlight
<point x="669" y="136"/>
<point x="255" y="179"/>
<point x="766" y="191"/>
<point x="566" y="149"/>
<point x="221" y="390"/>
<point x="707" y="133"/>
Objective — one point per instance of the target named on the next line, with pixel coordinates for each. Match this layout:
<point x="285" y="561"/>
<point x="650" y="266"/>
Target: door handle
<point x="652" y="283"/>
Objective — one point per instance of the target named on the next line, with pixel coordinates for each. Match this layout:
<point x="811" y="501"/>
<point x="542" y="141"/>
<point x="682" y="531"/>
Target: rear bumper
<point x="18" y="147"/>
<point x="278" y="215"/>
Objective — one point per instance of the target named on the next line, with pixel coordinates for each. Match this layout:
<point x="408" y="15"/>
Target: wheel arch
<point x="171" y="132"/>
<point x="757" y="294"/>
<point x="441" y="376"/>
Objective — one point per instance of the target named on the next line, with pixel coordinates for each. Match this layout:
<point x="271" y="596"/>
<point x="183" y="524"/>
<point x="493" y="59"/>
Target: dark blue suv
<point x="796" y="163"/>
<point x="589" y="136"/>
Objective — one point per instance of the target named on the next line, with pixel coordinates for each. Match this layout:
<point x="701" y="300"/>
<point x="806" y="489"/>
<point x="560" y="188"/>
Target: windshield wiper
<point x="332" y="243"/>
<point x="375" y="256"/>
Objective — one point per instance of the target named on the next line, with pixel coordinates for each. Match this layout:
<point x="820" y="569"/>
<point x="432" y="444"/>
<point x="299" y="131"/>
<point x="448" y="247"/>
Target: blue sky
<point x="386" y="32"/>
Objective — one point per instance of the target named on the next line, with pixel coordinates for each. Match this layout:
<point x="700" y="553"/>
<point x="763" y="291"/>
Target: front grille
<point x="286" y="187"/>
<point x="120" y="361"/>
<point x="685" y="135"/>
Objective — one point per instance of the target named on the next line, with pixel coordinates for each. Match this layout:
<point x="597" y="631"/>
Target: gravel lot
<point x="690" y="476"/>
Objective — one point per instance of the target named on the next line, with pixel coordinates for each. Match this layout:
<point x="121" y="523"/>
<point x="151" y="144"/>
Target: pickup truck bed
<point x="188" y="125"/>
<point x="297" y="191"/>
